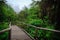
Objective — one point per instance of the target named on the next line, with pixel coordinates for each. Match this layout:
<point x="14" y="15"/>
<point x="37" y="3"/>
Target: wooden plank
<point x="18" y="34"/>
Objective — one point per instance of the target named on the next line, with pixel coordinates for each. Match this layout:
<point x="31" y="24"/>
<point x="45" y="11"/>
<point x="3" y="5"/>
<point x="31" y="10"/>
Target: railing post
<point x="9" y="34"/>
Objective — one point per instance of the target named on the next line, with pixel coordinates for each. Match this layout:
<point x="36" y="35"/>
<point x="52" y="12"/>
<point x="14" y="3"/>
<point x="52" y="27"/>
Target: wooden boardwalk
<point x="18" y="34"/>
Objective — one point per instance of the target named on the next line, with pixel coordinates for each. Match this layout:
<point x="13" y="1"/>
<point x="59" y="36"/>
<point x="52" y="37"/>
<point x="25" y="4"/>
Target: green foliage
<point x="4" y="36"/>
<point x="7" y="14"/>
<point x="36" y="22"/>
<point x="34" y="16"/>
<point x="41" y="14"/>
<point x="4" y="25"/>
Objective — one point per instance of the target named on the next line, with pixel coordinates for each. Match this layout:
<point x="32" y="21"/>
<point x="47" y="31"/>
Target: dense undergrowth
<point x="4" y="35"/>
<point x="40" y="34"/>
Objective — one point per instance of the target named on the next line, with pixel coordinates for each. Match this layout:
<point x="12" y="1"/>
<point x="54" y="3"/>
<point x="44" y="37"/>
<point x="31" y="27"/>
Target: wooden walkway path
<point x="18" y="34"/>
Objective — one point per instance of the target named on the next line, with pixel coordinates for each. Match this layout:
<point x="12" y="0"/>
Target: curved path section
<point x="18" y="34"/>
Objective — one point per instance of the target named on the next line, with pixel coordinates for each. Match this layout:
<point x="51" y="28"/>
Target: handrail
<point x="41" y="27"/>
<point x="5" y="30"/>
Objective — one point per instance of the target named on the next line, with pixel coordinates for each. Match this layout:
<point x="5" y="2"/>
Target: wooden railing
<point x="7" y="30"/>
<point x="36" y="30"/>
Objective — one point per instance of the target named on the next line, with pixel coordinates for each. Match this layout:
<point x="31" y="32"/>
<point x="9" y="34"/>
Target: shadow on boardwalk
<point x="18" y="34"/>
